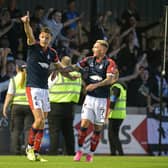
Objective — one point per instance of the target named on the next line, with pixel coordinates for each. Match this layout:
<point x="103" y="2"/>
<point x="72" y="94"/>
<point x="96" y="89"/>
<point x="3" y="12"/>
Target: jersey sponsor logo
<point x="101" y="66"/>
<point x="48" y="56"/>
<point x="96" y="77"/>
<point x="43" y="65"/>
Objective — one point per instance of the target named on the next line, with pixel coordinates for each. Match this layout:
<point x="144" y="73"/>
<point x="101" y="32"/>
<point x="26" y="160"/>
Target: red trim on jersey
<point x="56" y="59"/>
<point x="111" y="67"/>
<point x="83" y="62"/>
<point x="29" y="97"/>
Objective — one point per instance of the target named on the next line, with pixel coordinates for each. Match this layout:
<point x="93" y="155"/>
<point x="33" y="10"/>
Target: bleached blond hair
<point x="103" y="43"/>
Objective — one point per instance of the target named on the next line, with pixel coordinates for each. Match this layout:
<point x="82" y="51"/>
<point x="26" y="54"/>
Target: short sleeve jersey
<point x="97" y="72"/>
<point x="38" y="63"/>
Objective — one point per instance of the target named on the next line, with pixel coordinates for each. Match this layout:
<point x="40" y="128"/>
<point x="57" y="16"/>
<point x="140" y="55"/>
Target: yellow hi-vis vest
<point x="20" y="95"/>
<point x="65" y="90"/>
<point x="119" y="111"/>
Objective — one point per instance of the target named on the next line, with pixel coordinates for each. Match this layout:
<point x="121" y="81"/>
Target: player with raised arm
<point x="39" y="57"/>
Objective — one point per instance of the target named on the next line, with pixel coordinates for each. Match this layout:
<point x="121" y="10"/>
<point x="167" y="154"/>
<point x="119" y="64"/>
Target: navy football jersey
<point x="96" y="72"/>
<point x="38" y="62"/>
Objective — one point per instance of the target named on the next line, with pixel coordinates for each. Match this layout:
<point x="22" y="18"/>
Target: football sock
<point x="94" y="140"/>
<point x="32" y="133"/>
<point x="81" y="136"/>
<point x="37" y="141"/>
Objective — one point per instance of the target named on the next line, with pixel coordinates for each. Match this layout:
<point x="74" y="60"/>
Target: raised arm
<point x="70" y="21"/>
<point x="28" y="30"/>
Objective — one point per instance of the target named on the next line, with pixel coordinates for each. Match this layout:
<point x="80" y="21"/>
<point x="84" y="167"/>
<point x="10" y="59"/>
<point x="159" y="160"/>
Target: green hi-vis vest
<point x="119" y="111"/>
<point x="20" y="95"/>
<point x="65" y="90"/>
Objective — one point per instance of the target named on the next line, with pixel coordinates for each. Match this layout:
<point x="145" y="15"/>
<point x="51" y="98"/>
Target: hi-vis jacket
<point x="19" y="94"/>
<point x="65" y="90"/>
<point x="119" y="111"/>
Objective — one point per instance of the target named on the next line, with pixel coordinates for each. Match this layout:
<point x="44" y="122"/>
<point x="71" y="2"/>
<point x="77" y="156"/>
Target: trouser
<point x="113" y="135"/>
<point x="60" y="121"/>
<point x="21" y="121"/>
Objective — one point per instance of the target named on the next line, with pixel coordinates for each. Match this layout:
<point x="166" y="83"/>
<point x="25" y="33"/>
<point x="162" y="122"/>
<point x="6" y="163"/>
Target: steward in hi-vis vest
<point x="118" y="95"/>
<point x="65" y="90"/>
<point x="21" y="116"/>
<point x="118" y="102"/>
<point x="63" y="94"/>
<point x="19" y="95"/>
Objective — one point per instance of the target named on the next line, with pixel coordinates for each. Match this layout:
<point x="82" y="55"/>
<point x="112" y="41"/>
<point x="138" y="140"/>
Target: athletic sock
<point x="37" y="141"/>
<point x="81" y="136"/>
<point x="94" y="141"/>
<point x="32" y="134"/>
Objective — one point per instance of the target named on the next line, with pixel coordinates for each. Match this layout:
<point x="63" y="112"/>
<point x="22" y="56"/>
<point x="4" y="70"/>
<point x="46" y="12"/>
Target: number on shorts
<point x="101" y="113"/>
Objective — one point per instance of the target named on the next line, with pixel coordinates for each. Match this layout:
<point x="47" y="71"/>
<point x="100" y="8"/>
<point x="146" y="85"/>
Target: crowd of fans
<point x="137" y="53"/>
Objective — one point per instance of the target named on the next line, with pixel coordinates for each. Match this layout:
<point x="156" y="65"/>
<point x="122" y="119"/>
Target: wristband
<point x="113" y="98"/>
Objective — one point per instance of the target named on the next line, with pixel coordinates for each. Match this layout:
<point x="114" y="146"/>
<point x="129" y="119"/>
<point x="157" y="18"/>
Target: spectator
<point x="139" y="87"/>
<point x="130" y="11"/>
<point x="14" y="11"/>
<point x="139" y="32"/>
<point x="71" y="13"/>
<point x="73" y="31"/>
<point x="154" y="54"/>
<point x="54" y="22"/>
<point x="128" y="56"/>
<point x="99" y="30"/>
<point x="38" y="15"/>
<point x="12" y="30"/>
<point x="7" y="71"/>
<point x="155" y="80"/>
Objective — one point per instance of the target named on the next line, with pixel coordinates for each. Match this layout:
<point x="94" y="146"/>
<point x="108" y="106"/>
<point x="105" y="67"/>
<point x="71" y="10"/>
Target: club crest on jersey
<point x="43" y="65"/>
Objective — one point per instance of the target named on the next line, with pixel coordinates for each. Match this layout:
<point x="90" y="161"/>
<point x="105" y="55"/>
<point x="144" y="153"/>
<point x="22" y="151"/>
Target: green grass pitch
<point x="98" y="162"/>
